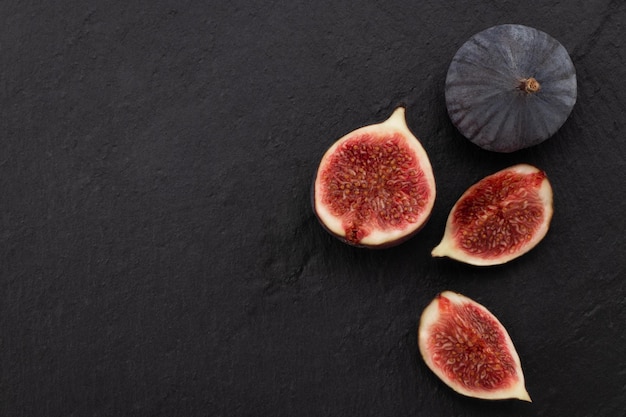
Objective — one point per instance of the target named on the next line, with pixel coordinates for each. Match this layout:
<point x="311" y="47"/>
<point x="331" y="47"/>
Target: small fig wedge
<point x="375" y="186"/>
<point x="468" y="348"/>
<point x="499" y="218"/>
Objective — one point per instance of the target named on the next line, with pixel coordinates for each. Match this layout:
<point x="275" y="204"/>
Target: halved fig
<point x="468" y="348"/>
<point x="375" y="186"/>
<point x="499" y="218"/>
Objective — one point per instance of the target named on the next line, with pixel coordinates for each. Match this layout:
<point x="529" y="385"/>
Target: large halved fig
<point x="499" y="218"/>
<point x="510" y="87"/>
<point x="468" y="348"/>
<point x="375" y="186"/>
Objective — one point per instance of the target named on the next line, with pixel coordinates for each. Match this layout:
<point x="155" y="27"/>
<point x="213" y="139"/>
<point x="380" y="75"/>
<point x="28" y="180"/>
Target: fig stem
<point x="529" y="85"/>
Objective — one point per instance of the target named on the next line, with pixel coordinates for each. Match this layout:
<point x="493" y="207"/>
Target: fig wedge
<point x="499" y="218"/>
<point x="468" y="348"/>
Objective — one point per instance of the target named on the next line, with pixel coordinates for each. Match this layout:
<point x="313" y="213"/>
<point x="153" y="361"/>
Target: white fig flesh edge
<point x="430" y="316"/>
<point x="395" y="123"/>
<point x="448" y="246"/>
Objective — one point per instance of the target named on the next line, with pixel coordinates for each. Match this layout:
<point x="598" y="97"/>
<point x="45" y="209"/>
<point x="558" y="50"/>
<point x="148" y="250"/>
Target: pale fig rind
<point x="539" y="194"/>
<point x="375" y="234"/>
<point x="479" y="342"/>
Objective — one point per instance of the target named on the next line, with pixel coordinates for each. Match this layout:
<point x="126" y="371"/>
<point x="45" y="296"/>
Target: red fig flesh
<point x="375" y="186"/>
<point x="499" y="218"/>
<point x="468" y="348"/>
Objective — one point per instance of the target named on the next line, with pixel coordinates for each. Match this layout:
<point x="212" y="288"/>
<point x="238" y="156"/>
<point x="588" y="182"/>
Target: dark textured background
<point x="158" y="252"/>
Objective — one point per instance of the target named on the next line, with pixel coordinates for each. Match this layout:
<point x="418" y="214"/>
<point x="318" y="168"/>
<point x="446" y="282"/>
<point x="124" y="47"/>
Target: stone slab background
<point x="158" y="251"/>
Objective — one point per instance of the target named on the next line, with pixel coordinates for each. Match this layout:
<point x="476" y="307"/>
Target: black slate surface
<point x="158" y="252"/>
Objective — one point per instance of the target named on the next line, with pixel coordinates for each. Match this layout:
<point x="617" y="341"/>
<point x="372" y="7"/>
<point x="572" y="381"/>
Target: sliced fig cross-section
<point x="468" y="348"/>
<point x="499" y="218"/>
<point x="375" y="186"/>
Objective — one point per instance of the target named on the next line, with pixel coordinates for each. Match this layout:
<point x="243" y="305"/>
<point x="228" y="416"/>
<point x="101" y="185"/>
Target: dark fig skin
<point x="510" y="87"/>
